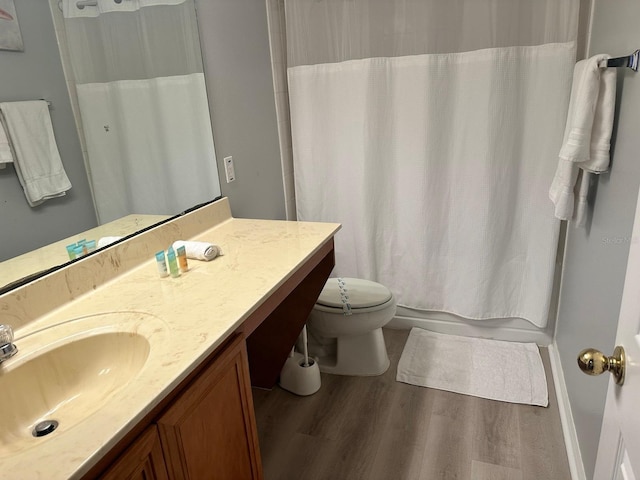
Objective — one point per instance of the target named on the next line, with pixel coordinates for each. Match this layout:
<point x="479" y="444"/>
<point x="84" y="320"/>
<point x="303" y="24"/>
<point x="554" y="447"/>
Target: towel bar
<point x="630" y="61"/>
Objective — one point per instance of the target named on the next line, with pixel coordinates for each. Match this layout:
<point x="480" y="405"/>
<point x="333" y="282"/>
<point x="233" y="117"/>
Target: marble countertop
<point x="192" y="315"/>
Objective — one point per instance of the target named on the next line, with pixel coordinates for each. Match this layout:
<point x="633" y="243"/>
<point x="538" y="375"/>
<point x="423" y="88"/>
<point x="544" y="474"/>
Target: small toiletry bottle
<point x="82" y="243"/>
<point x="78" y="251"/>
<point x="173" y="263"/>
<point x="162" y="264"/>
<point x="182" y="259"/>
<point x="91" y="245"/>
<point x="71" y="251"/>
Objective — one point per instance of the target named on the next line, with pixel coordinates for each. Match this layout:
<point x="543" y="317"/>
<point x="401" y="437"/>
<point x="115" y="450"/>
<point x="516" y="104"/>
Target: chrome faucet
<point x="7" y="348"/>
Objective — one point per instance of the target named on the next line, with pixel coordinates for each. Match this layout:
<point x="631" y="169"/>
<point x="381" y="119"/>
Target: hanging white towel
<point x="37" y="160"/>
<point x="587" y="137"/>
<point x="5" y="149"/>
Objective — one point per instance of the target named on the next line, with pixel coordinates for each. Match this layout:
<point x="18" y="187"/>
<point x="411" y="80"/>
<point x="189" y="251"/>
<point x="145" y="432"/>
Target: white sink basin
<point x="69" y="371"/>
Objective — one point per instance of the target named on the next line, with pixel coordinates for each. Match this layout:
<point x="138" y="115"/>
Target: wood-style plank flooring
<point x="375" y="428"/>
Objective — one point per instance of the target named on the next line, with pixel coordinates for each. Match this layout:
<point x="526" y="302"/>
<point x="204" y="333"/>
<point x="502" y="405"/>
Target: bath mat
<point x="505" y="371"/>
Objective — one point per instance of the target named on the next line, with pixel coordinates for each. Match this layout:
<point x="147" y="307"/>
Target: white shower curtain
<point x="436" y="154"/>
<point x="142" y="99"/>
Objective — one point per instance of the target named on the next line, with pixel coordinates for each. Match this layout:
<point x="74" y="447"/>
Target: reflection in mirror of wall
<point x="137" y="90"/>
<point x="139" y="83"/>
<point x="32" y="74"/>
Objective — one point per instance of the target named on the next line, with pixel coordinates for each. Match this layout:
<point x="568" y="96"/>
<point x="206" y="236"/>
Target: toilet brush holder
<point x="298" y="378"/>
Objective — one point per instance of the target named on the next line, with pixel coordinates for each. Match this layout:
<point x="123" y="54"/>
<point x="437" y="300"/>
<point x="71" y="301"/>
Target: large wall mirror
<point x="134" y="74"/>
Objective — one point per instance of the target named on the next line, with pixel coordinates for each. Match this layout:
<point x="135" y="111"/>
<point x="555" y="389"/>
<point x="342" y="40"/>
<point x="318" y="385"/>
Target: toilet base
<point x="358" y="355"/>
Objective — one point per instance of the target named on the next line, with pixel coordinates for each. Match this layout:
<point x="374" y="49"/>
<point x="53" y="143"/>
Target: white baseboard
<point x="473" y="328"/>
<point x="568" y="426"/>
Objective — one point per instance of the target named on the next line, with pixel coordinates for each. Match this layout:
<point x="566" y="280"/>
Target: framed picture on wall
<point x="10" y="36"/>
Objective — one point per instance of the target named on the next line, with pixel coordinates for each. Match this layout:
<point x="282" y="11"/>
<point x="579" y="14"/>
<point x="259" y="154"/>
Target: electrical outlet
<point x="229" y="170"/>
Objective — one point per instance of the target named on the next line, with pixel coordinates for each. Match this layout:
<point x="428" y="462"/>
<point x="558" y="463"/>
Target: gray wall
<point x="596" y="258"/>
<point x="235" y="48"/>
<point x="30" y="75"/>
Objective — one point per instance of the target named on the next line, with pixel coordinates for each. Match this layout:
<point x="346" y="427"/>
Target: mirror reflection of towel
<point x="36" y="157"/>
<point x="5" y="149"/>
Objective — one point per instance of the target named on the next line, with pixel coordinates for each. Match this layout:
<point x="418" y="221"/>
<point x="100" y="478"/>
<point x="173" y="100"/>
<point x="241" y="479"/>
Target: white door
<point x="619" y="449"/>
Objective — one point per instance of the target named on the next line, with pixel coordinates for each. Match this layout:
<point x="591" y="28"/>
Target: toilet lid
<point x="361" y="293"/>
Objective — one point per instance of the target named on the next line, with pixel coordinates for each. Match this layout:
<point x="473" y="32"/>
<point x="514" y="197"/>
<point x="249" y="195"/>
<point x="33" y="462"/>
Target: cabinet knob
<point x="594" y="362"/>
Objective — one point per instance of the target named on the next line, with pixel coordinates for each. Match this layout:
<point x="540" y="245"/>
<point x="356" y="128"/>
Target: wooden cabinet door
<point x="143" y="460"/>
<point x="209" y="432"/>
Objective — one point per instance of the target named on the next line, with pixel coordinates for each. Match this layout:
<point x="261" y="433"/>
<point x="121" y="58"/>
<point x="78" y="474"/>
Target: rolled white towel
<point x="104" y="241"/>
<point x="198" y="250"/>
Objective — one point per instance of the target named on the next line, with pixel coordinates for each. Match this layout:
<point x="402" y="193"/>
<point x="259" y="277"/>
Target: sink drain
<point x="44" y="428"/>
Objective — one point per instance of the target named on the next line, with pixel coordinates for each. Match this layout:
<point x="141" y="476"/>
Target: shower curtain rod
<point x="630" y="61"/>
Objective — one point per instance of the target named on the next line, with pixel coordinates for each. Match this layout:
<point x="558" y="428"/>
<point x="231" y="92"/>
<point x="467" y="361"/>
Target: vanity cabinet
<point x="143" y="460"/>
<point x="208" y="431"/>
<point x="205" y="428"/>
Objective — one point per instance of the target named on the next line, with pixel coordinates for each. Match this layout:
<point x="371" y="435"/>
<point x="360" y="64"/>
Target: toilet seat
<point x="364" y="296"/>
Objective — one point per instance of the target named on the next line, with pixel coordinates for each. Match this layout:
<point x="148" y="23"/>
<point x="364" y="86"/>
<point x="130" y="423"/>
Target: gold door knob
<point x="594" y="362"/>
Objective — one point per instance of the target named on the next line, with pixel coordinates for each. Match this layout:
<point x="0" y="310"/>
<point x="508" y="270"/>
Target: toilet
<point x="345" y="327"/>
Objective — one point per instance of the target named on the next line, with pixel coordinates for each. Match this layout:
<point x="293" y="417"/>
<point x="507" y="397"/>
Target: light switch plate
<point x="229" y="170"/>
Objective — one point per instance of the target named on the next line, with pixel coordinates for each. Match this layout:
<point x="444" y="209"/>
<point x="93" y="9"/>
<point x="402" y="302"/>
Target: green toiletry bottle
<point x="173" y="263"/>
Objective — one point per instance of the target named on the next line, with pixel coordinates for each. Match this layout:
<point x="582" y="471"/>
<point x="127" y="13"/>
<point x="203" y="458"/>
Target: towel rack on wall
<point x="630" y="61"/>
